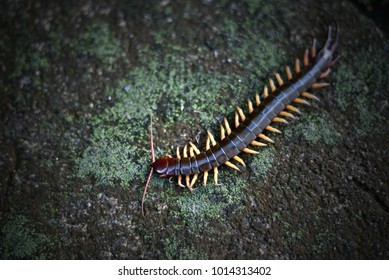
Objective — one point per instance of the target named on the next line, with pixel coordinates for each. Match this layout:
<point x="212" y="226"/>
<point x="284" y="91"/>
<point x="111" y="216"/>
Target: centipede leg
<point x="230" y="164"/>
<point x="325" y="73"/>
<point x="310" y="96"/>
<point x="194" y="179"/>
<point x="191" y="153"/>
<point x="187" y="177"/>
<point x="187" y="181"/>
<point x="313" y="49"/>
<point x="213" y="142"/>
<point x="205" y="177"/>
<point x="207" y="147"/>
<point x="215" y="172"/>
<point x="179" y="176"/>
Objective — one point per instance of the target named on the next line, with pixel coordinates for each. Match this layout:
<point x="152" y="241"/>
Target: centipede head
<point x="164" y="166"/>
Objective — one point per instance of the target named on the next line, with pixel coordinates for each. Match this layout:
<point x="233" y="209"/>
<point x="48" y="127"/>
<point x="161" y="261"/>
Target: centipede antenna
<point x="151" y="139"/>
<point x="335" y="43"/>
<point x="329" y="38"/>
<point x="152" y="160"/>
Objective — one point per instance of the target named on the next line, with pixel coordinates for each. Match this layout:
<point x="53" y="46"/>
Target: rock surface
<point x="79" y="81"/>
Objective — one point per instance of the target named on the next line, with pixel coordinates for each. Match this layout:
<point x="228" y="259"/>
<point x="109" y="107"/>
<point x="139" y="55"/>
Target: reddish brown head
<point x="164" y="166"/>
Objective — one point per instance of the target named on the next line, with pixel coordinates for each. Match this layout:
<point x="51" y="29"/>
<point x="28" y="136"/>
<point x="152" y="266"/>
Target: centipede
<point x="279" y="103"/>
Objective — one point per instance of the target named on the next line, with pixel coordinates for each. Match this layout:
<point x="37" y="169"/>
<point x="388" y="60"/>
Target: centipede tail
<point x="278" y="103"/>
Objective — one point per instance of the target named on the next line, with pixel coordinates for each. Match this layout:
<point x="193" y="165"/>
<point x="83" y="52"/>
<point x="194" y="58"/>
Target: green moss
<point x="292" y="236"/>
<point x="204" y="210"/>
<point x="252" y="52"/>
<point x="262" y="163"/>
<point x="110" y="160"/>
<point x="30" y="63"/>
<point x="315" y="128"/>
<point x="203" y="206"/>
<point x="29" y="59"/>
<point x="324" y="242"/>
<point x="98" y="41"/>
<point x="176" y="249"/>
<point x="22" y="242"/>
<point x="28" y="52"/>
<point x="255" y="7"/>
<point x="31" y="55"/>
<point x="356" y="89"/>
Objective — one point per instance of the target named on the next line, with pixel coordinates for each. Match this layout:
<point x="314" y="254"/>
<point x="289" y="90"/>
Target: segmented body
<point x="275" y="106"/>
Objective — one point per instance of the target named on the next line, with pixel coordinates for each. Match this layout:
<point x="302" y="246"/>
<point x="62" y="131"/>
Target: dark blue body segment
<point x="261" y="116"/>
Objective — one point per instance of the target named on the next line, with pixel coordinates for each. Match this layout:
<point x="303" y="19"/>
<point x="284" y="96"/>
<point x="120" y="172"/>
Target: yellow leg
<point x="272" y="129"/>
<point x="179" y="176"/>
<point x="187" y="181"/>
<point x="288" y="72"/>
<point x="250" y="151"/>
<point x="301" y="101"/>
<point x="325" y="73"/>
<point x="236" y="120"/>
<point x="205" y="177"/>
<point x="258" y="144"/>
<point x="266" y="90"/>
<point x="215" y="172"/>
<point x="227" y="125"/>
<point x="279" y="79"/>
<point x="292" y="108"/>
<point x="187" y="177"/>
<point x="306" y="60"/>
<point x="319" y="85"/>
<point x="313" y="49"/>
<point x="185" y="151"/>
<point x="264" y="137"/>
<point x="213" y="142"/>
<point x="194" y="179"/>
<point x="241" y="114"/>
<point x="257" y="99"/>
<point x="238" y="159"/>
<point x="297" y="66"/>
<point x="180" y="181"/>
<point x="280" y="120"/>
<point x="272" y="85"/>
<point x="229" y="164"/>
<point x="250" y="105"/>
<point x="310" y="96"/>
<point x="211" y="138"/>
<point x="196" y="150"/>
<point x="287" y="114"/>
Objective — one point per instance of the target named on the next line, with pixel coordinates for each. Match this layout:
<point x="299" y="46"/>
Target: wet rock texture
<point x="80" y="78"/>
